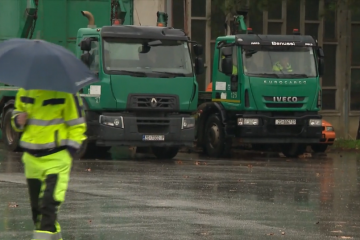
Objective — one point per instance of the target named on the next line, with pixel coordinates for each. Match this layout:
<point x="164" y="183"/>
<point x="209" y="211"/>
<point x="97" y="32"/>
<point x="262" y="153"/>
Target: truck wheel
<point x="165" y="152"/>
<point x="90" y="149"/>
<point x="10" y="137"/>
<point x="214" y="138"/>
<point x="293" y="150"/>
<point x="319" y="148"/>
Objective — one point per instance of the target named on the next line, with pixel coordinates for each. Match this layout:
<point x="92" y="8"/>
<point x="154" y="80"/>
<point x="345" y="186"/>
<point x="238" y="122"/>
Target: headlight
<point x="247" y="121"/>
<point x="315" y="122"/>
<point x="113" y="121"/>
<point x="187" y="122"/>
<point x="330" y="129"/>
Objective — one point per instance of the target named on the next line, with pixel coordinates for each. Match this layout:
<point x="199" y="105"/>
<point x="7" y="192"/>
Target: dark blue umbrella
<point x="36" y="64"/>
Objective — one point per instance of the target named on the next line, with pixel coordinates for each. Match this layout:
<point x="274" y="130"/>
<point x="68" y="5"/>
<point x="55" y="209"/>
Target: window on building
<point x="329" y="76"/>
<point x="292" y="16"/>
<point x="274" y="28"/>
<point x="355" y="46"/>
<point x="355" y="90"/>
<point x="312" y="29"/>
<point x="217" y="20"/>
<point x="275" y="9"/>
<point x="355" y="62"/>
<point x="355" y="16"/>
<point x="198" y="33"/>
<point x="255" y="16"/>
<point x="312" y="10"/>
<point x="330" y="26"/>
<point x="198" y="8"/>
<point x="328" y="99"/>
<point x="178" y="12"/>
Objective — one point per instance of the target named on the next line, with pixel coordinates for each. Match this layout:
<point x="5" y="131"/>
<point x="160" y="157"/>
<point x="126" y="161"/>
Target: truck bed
<point x="58" y="21"/>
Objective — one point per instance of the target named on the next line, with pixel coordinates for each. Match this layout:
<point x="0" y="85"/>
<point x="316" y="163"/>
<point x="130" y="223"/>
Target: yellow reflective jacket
<point x="55" y="119"/>
<point x="278" y="67"/>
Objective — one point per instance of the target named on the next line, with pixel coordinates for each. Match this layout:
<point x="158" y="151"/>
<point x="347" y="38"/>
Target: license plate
<point x="153" y="137"/>
<point x="285" y="122"/>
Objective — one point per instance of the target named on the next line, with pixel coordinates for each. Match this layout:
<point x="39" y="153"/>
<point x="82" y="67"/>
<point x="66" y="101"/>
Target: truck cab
<point x="148" y="87"/>
<point x="265" y="92"/>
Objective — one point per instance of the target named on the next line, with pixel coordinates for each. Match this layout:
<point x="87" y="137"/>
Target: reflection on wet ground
<point x="251" y="197"/>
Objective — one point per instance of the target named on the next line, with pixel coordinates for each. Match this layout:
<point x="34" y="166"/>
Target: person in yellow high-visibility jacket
<point x="283" y="65"/>
<point x="53" y="129"/>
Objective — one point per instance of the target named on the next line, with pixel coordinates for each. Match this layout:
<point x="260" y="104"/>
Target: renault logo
<point x="153" y="102"/>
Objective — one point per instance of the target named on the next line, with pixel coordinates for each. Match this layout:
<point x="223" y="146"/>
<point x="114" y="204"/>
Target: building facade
<point x="337" y="31"/>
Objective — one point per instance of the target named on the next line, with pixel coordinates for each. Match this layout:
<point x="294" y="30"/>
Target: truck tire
<point x="10" y="137"/>
<point x="165" y="152"/>
<point x="216" y="145"/>
<point x="293" y="150"/>
<point x="89" y="149"/>
<point x="319" y="148"/>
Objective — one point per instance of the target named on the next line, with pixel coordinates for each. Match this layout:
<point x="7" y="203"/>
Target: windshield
<point x="122" y="56"/>
<point x="279" y="61"/>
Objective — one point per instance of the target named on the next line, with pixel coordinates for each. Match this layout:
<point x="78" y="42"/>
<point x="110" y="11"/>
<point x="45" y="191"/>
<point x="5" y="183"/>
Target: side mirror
<point x="321" y="66"/>
<point x="227" y="65"/>
<point x="321" y="52"/>
<point x="199" y="66"/>
<point x="86" y="59"/>
<point x="198" y="49"/>
<point x="144" y="49"/>
<point x="227" y="51"/>
<point x="85" y="45"/>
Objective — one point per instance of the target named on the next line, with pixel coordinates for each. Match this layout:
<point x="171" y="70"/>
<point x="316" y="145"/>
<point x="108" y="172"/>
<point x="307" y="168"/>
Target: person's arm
<point x="276" y="67"/>
<point x="74" y="117"/>
<point x="18" y="109"/>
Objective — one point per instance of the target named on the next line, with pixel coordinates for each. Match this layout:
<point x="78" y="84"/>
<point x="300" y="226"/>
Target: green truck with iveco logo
<point x="265" y="93"/>
<point x="147" y="88"/>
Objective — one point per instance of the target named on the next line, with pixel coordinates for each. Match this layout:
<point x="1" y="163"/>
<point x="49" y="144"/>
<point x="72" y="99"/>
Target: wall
<point x="145" y="11"/>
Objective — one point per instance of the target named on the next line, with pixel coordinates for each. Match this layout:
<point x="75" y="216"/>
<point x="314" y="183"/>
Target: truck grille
<point x="153" y="102"/>
<point x="152" y="125"/>
<point x="284" y="105"/>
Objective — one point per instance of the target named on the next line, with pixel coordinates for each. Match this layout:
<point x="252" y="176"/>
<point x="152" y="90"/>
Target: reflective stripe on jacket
<point x="55" y="119"/>
<point x="43" y="235"/>
<point x="278" y="67"/>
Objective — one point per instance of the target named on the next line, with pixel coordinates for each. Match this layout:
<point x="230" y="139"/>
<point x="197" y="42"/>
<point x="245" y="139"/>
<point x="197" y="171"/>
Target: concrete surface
<point x="251" y="197"/>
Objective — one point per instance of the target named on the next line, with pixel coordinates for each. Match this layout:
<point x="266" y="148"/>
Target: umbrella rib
<point x="60" y="59"/>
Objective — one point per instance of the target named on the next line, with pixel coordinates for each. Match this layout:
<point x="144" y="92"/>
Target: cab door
<point x="227" y="87"/>
<point x="102" y="87"/>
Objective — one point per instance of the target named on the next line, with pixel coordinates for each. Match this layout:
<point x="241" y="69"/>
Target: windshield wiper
<point x="131" y="73"/>
<point x="171" y="74"/>
<point x="298" y="75"/>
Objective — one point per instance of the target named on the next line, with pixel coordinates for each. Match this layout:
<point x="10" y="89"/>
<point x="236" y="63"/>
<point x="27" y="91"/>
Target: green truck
<point x="256" y="100"/>
<point x="147" y="89"/>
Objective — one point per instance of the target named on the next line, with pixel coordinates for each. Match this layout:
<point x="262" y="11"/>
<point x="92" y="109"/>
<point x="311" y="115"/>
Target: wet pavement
<point x="250" y="197"/>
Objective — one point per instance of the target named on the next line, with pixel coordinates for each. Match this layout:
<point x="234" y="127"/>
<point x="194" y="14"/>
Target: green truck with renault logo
<point x="265" y="93"/>
<point x="147" y="89"/>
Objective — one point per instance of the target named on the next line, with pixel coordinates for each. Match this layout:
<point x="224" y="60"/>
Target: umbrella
<point x="36" y="64"/>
